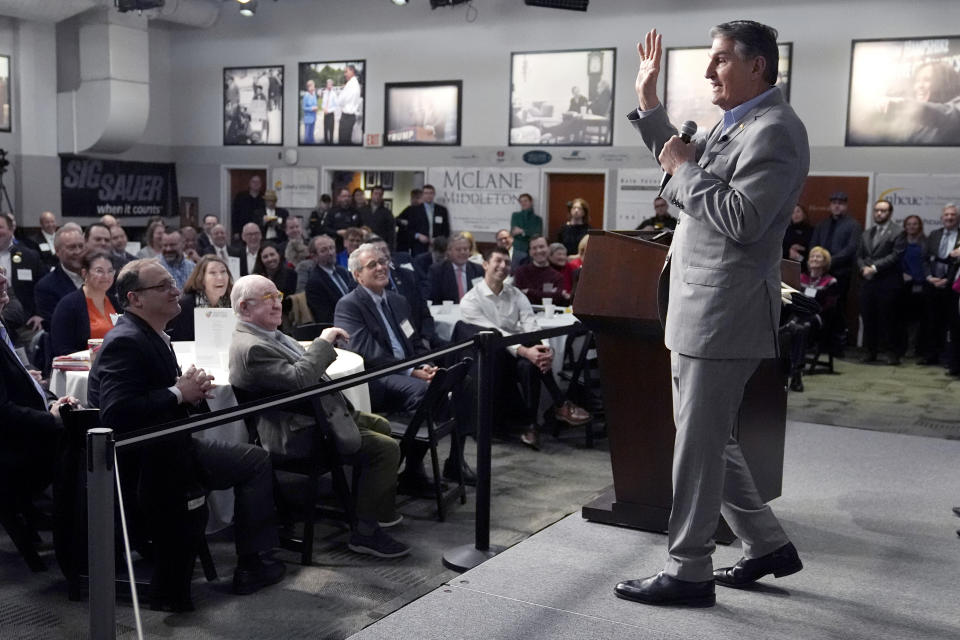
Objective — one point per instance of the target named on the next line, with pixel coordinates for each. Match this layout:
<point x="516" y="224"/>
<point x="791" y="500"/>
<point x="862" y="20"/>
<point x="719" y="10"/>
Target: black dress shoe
<point x="796" y="384"/>
<point x="452" y="473"/>
<point x="662" y="589"/>
<point x="252" y="579"/>
<point x="417" y="485"/>
<point x="782" y="562"/>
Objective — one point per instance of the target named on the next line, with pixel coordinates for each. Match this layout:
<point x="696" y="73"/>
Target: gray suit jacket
<point x="735" y="204"/>
<point x="260" y="365"/>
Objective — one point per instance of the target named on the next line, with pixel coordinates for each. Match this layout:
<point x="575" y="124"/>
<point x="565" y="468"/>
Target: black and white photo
<point x="253" y="105"/>
<point x="422" y="113"/>
<point x="5" y="115"/>
<point x="904" y="92"/>
<point x="562" y="97"/>
<point x="332" y="96"/>
<point x="685" y="100"/>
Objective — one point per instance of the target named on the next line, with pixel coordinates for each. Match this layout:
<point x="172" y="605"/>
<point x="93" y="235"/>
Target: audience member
<point x="816" y="283"/>
<point x="341" y="217"/>
<point x="24" y="269"/>
<point x="152" y="240"/>
<point x="272" y="266"/>
<point x="425" y="261"/>
<point x="524" y="224"/>
<point x="44" y="240"/>
<point x="577" y="263"/>
<point x="475" y="256"/>
<point x="97" y="238"/>
<point x="403" y="280"/>
<point x="318" y="214"/>
<point x="65" y="278"/>
<point x="452" y="278"/>
<point x="494" y="303"/>
<point x="173" y="259"/>
<point x="108" y="221"/>
<point x="661" y="218"/>
<point x="176" y="473"/>
<point x="359" y="200"/>
<point x="940" y="300"/>
<point x="379" y="219"/>
<point x="205" y="239"/>
<point x="265" y="360"/>
<point x="558" y="261"/>
<point x="246" y="206"/>
<point x="189" y="237"/>
<point x="403" y="238"/>
<point x="537" y="279"/>
<point x="252" y="236"/>
<point x="328" y="281"/>
<point x="840" y="235"/>
<point x="218" y="244"/>
<point x="381" y="330"/>
<point x="878" y="259"/>
<point x="118" y="247"/>
<point x="418" y="224"/>
<point x="352" y="238"/>
<point x="910" y="305"/>
<point x="796" y="239"/>
<point x="505" y="241"/>
<point x="208" y="286"/>
<point x="294" y="249"/>
<point x="87" y="312"/>
<point x="271" y="218"/>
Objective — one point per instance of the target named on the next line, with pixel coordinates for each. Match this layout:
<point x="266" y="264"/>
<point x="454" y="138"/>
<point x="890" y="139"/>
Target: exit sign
<point x="373" y="140"/>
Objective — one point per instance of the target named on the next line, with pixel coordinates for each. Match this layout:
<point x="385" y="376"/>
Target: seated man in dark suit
<point x="403" y="280"/>
<point x="31" y="429"/>
<point x="44" y="240"/>
<point x="118" y="246"/>
<point x="23" y="270"/>
<point x="378" y="321"/>
<point x="328" y="281"/>
<point x="175" y="473"/>
<point x="452" y="278"/>
<point x="252" y="236"/>
<point x="65" y="278"/>
<point x="265" y="360"/>
<point x="425" y="261"/>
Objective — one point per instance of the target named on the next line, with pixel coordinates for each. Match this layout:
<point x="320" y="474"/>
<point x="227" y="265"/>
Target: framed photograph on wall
<point x="422" y="113"/>
<point x="253" y="105"/>
<point x="562" y="97"/>
<point x="370" y="179"/>
<point x="386" y="180"/>
<point x="332" y="99"/>
<point x="904" y="92"/>
<point x="6" y="116"/>
<point x="687" y="94"/>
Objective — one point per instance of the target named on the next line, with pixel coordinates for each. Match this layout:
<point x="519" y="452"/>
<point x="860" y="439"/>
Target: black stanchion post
<point x="100" y="554"/>
<point x="468" y="556"/>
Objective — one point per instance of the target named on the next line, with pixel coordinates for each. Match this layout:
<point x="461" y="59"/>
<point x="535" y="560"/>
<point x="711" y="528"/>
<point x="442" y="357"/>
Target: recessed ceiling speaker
<point x="572" y="5"/>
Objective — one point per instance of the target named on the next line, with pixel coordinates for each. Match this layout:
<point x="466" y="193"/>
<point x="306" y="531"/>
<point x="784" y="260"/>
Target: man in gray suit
<point x="263" y="359"/>
<point x="735" y="189"/>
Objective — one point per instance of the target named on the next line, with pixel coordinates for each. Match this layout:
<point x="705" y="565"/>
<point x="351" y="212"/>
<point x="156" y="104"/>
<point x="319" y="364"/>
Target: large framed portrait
<point x="253" y="105"/>
<point x="6" y="116"/>
<point x="562" y="97"/>
<point x="332" y="99"/>
<point x="422" y="113"/>
<point x="904" y="92"/>
<point x="687" y="94"/>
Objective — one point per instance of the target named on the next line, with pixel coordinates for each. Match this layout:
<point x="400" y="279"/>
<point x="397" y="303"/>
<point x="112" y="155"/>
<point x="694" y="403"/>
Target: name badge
<point x="408" y="266"/>
<point x="810" y="291"/>
<point x="24" y="275"/>
<point x="44" y="246"/>
<point x="548" y="287"/>
<point x="437" y="219"/>
<point x="407" y="328"/>
<point x="196" y="503"/>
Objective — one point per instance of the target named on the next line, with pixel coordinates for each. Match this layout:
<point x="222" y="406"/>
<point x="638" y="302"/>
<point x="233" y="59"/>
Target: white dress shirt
<point x="510" y="312"/>
<point x="349" y="98"/>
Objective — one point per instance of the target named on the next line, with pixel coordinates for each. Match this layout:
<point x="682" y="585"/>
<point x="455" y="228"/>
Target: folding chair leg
<point x="437" y="480"/>
<point x="206" y="561"/>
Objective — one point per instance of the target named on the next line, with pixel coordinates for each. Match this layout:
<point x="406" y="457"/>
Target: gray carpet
<point x="870" y="513"/>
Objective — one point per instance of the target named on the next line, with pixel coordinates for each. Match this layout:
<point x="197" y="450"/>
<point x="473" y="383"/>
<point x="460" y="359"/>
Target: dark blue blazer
<point x="23" y="258"/>
<point x="70" y="325"/>
<point x="323" y="294"/>
<point x="48" y="292"/>
<point x="22" y="411"/>
<point x="404" y="281"/>
<point x="357" y="314"/>
<point x="443" y="281"/>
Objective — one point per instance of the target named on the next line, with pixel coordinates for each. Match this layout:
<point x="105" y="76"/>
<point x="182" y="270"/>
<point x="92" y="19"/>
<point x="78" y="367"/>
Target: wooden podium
<point x="617" y="300"/>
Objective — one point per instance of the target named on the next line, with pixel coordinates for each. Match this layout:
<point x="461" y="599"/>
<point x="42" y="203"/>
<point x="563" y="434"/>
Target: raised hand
<point x="649" y="51"/>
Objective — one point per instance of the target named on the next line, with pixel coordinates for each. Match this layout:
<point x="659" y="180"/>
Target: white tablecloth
<point x="445" y="317"/>
<point x="74" y="383"/>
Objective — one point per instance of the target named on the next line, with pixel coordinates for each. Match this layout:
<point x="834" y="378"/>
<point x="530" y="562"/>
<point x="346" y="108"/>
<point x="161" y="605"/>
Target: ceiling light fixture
<point x="399" y="3"/>
<point x="248" y="7"/>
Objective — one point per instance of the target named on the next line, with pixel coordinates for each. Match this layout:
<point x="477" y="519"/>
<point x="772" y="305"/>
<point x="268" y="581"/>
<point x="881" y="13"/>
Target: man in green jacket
<point x="524" y="224"/>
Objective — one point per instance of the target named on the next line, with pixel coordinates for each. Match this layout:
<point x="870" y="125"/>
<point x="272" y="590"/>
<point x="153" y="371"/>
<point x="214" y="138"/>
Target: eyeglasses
<point x="102" y="272"/>
<point x="278" y="296"/>
<point x="881" y="209"/>
<point x="164" y="287"/>
<point x="373" y="264"/>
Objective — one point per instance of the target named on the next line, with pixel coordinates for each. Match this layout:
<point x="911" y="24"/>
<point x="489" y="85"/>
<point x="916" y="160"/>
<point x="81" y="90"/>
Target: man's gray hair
<point x="69" y="227"/>
<point x="243" y="288"/>
<point x="556" y="246"/>
<point x="951" y="205"/>
<point x="753" y="40"/>
<point x="354" y="264"/>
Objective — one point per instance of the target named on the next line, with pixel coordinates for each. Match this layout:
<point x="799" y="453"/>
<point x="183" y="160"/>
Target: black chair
<point x="432" y="421"/>
<point x="309" y="331"/>
<point x="323" y="459"/>
<point x="582" y="386"/>
<point x="70" y="509"/>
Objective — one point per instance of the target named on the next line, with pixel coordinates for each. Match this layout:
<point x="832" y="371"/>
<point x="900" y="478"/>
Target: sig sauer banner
<point x="91" y="187"/>
<point x="482" y="199"/>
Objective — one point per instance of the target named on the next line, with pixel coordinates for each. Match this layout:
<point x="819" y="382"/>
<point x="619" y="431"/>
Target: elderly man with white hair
<point x="264" y="360"/>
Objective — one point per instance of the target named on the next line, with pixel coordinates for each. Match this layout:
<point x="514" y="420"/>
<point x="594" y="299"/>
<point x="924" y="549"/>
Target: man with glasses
<point x="328" y="281"/>
<point x="264" y="360"/>
<point x="137" y="383"/>
<point x="878" y="261"/>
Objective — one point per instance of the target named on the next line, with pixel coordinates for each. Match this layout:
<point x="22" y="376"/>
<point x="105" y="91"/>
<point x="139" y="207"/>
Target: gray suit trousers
<point x="710" y="476"/>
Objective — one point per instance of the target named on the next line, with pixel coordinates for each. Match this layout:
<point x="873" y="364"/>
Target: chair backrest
<point x="300" y="313"/>
<point x="312" y="407"/>
<point x="310" y="331"/>
<point x="250" y="420"/>
<point x="444" y="381"/>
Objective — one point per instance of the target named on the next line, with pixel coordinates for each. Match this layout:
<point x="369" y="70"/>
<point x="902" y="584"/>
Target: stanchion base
<point x="468" y="556"/>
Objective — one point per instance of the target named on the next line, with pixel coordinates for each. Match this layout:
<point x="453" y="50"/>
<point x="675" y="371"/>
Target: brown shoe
<point x="571" y="414"/>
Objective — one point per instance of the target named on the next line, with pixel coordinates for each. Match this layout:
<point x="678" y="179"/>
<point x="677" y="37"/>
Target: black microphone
<point x="687" y="131"/>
